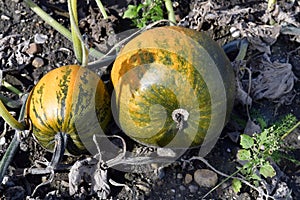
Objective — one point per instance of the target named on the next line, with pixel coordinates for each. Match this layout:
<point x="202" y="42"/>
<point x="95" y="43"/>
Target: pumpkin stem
<point x="59" y="148"/>
<point x="180" y="116"/>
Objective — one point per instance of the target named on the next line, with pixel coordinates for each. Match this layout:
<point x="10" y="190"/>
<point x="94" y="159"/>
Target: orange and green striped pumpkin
<point x="72" y="100"/>
<point x="174" y="87"/>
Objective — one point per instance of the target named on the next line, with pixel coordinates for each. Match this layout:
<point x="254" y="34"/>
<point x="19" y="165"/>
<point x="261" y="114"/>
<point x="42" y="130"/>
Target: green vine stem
<point x="80" y="46"/>
<point x="11" y="88"/>
<point x="72" y="7"/>
<point x="8" y="118"/>
<point x="102" y="9"/>
<point x="9" y="154"/>
<point x="14" y="144"/>
<point x="57" y="26"/>
<point x="169" y="7"/>
<point x="9" y="102"/>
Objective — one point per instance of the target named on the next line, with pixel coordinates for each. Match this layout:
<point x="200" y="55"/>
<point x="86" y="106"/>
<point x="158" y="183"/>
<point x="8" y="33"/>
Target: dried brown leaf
<point x="274" y="79"/>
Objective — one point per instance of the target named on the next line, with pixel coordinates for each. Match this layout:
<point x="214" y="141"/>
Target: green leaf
<point x="255" y="177"/>
<point x="236" y="185"/>
<point x="139" y="7"/>
<point x="263" y="137"/>
<point x="267" y="170"/>
<point x="244" y="154"/>
<point x="131" y="12"/>
<point x="246" y="141"/>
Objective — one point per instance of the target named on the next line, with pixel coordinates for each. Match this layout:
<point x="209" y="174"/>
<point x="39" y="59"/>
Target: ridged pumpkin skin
<point x="169" y="68"/>
<point x="70" y="99"/>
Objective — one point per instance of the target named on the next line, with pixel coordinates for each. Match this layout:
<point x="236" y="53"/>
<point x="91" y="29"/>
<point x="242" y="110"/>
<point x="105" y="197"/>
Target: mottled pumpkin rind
<point x="169" y="47"/>
<point x="63" y="101"/>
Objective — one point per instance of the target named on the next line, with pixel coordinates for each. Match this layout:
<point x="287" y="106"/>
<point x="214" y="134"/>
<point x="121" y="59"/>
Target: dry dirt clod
<point x="188" y="178"/>
<point x="193" y="188"/>
<point x="179" y="176"/>
<point x="205" y="178"/>
<point x="40" y="38"/>
<point x="37" y="62"/>
<point x="34" y="48"/>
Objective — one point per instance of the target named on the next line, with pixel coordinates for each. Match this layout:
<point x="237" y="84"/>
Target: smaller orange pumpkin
<point x="72" y="100"/>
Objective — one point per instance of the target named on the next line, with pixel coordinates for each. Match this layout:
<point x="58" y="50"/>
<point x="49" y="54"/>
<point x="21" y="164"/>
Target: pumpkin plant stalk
<point x="80" y="49"/>
<point x="11" y="88"/>
<point x="102" y="9"/>
<point x="8" y="118"/>
<point x="9" y="102"/>
<point x="72" y="6"/>
<point x="169" y="7"/>
<point x="9" y="154"/>
<point x="243" y="47"/>
<point x="14" y="144"/>
<point x="57" y="26"/>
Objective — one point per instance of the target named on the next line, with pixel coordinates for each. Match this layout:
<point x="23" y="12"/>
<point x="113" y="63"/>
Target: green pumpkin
<point x="71" y="100"/>
<point x="174" y="87"/>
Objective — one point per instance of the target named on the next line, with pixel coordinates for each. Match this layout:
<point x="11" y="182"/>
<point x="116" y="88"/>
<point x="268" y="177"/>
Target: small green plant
<point x="257" y="151"/>
<point x="259" y="118"/>
<point x="146" y="12"/>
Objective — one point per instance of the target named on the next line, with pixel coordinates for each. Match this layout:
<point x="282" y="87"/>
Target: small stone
<point x="44" y="179"/>
<point x="154" y="166"/>
<point x="205" y="178"/>
<point x="23" y="146"/>
<point x="182" y="188"/>
<point x="235" y="33"/>
<point x="34" y="48"/>
<point x="193" y="188"/>
<point x="64" y="184"/>
<point x="2" y="141"/>
<point x="188" y="178"/>
<point x="173" y="190"/>
<point x="161" y="173"/>
<point x="37" y="62"/>
<point x="4" y="17"/>
<point x="179" y="176"/>
<point x="143" y="188"/>
<point x="40" y="38"/>
<point x="5" y="180"/>
<point x="165" y="152"/>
